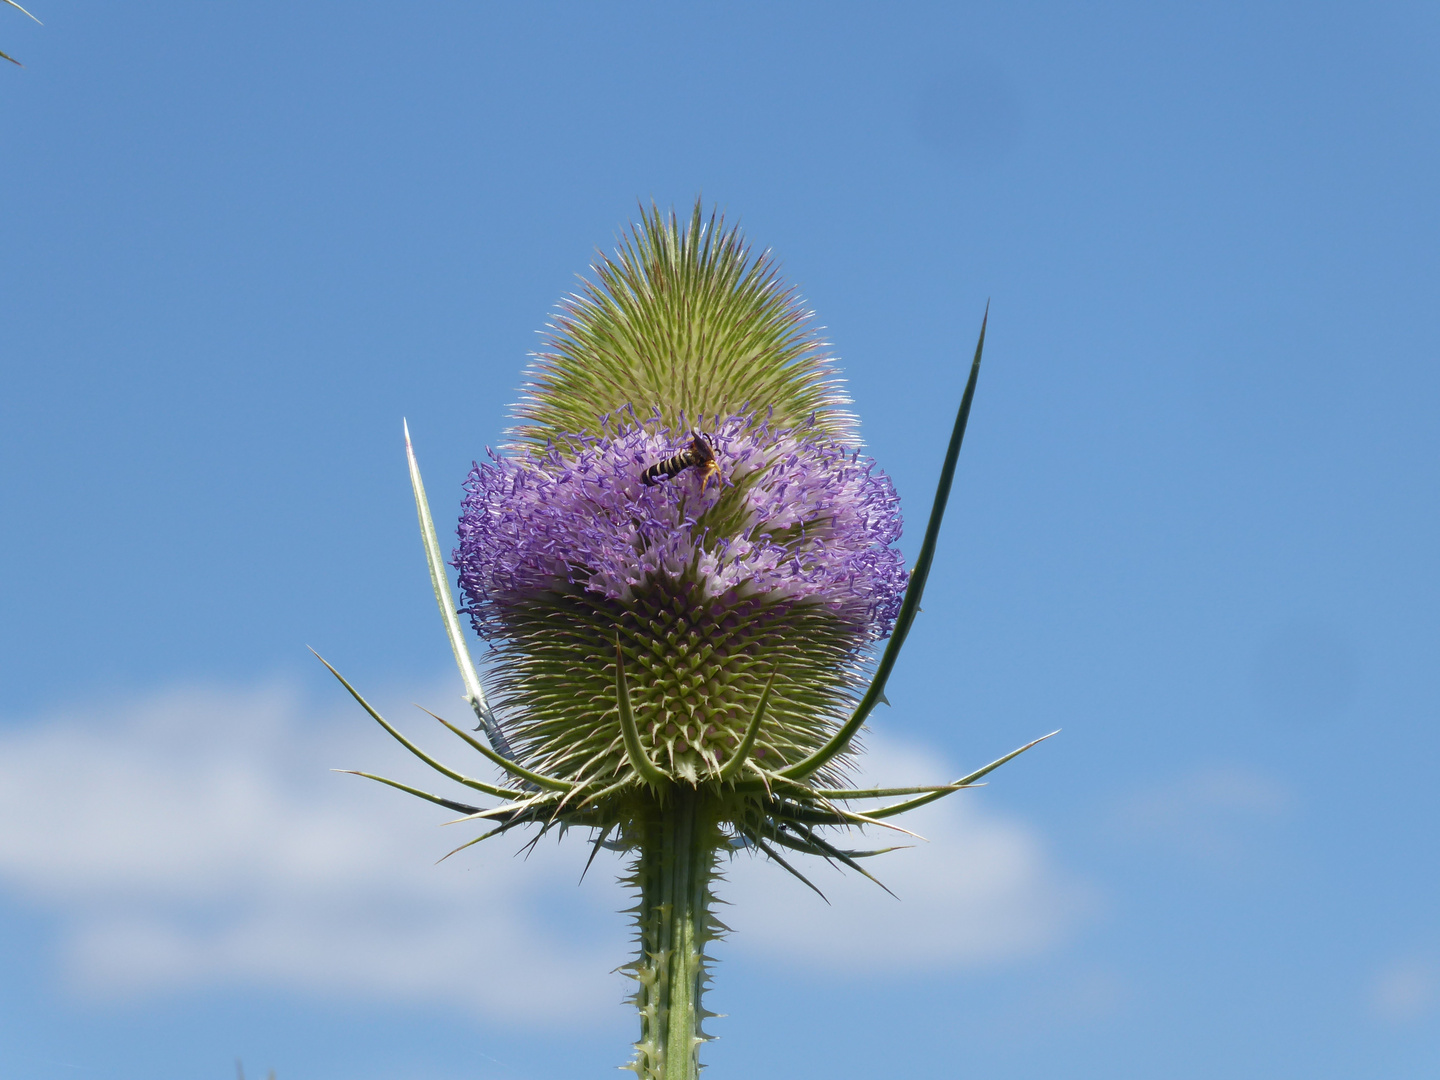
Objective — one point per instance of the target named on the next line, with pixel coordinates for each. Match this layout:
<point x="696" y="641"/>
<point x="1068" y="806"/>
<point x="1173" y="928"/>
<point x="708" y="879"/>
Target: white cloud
<point x="196" y="838"/>
<point x="978" y="889"/>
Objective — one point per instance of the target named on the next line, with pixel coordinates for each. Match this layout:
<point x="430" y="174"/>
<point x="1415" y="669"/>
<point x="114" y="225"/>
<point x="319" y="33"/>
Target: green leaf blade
<point x="910" y="606"/>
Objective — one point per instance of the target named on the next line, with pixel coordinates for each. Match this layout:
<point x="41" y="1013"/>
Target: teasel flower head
<point x="684" y="567"/>
<point x="781" y="566"/>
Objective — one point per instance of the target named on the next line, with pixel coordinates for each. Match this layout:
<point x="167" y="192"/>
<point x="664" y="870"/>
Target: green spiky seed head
<point x="681" y="324"/>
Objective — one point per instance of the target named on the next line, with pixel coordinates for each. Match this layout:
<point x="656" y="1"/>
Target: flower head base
<point x="787" y="564"/>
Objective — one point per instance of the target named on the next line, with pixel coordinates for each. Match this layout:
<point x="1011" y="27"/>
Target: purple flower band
<point x="794" y="517"/>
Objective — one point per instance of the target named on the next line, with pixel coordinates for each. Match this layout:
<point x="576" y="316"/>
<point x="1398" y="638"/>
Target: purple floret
<point x="793" y="517"/>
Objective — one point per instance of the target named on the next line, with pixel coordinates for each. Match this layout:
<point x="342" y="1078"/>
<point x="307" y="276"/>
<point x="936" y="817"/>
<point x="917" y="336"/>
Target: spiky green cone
<point x="688" y="322"/>
<point x="682" y="571"/>
<point x="695" y="669"/>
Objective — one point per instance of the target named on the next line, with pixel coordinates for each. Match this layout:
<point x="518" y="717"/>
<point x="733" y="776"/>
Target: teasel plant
<point x="684" y="568"/>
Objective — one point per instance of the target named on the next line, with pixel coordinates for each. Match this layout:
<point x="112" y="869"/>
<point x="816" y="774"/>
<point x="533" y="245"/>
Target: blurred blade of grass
<point x="7" y="56"/>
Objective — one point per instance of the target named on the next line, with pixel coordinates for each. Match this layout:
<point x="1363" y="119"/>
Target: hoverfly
<point x="698" y="455"/>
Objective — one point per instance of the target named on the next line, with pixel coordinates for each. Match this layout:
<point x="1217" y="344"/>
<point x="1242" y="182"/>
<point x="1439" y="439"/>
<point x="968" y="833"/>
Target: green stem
<point x="679" y="846"/>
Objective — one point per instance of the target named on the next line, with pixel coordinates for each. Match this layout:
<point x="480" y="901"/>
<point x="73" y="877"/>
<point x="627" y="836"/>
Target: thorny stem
<point x="679" y="846"/>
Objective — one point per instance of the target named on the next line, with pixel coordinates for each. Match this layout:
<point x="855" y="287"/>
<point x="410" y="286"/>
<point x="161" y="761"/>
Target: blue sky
<point x="1195" y="523"/>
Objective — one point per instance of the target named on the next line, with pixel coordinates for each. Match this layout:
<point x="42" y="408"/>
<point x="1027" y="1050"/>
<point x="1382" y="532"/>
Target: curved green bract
<point x="444" y="770"/>
<point x="911" y="604"/>
<point x="534" y="779"/>
<point x="640" y="761"/>
<point x="741" y="754"/>
<point x="438" y="800"/>
<point x="963" y="782"/>
<point x="440" y="584"/>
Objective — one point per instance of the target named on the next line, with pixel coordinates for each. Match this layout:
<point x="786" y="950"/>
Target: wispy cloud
<point x="977" y="889"/>
<point x="198" y="837"/>
<point x="1213" y="813"/>
<point x="1405" y="989"/>
<point x="195" y="838"/>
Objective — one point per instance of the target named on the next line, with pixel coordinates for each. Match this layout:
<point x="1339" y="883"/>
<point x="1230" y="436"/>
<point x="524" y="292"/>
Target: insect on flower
<point x="699" y="455"/>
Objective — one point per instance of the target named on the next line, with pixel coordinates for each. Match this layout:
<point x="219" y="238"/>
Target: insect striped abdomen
<point x="698" y="453"/>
